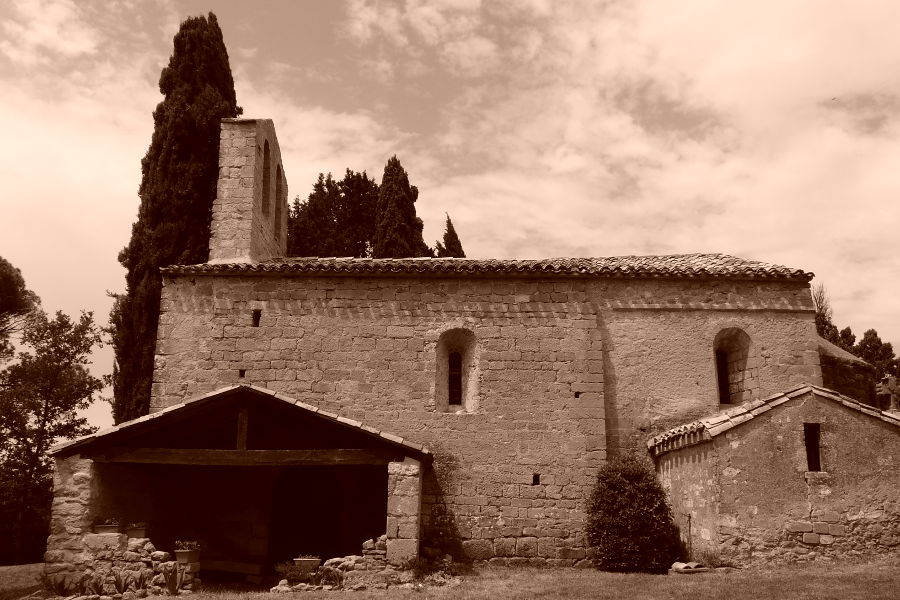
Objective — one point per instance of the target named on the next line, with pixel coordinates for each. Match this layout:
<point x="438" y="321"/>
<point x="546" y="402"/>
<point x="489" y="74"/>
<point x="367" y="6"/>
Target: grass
<point x="20" y="580"/>
<point x="836" y="580"/>
<point x="872" y="581"/>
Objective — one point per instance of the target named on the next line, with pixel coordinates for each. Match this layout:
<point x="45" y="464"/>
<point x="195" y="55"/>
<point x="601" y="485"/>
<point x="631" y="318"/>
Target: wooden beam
<point x="243" y="419"/>
<point x="181" y="456"/>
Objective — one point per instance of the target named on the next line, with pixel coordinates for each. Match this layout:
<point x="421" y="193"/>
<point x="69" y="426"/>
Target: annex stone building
<point x="453" y="405"/>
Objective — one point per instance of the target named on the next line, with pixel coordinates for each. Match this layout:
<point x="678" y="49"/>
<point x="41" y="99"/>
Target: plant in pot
<point x="187" y="551"/>
<point x="106" y="525"/>
<point x="307" y="563"/>
<point x="137" y="529"/>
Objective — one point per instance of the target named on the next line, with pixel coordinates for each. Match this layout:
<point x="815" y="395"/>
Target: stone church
<point x="305" y="405"/>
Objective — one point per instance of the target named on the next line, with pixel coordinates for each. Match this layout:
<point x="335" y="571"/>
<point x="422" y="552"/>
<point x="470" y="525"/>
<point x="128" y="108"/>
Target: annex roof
<point x="678" y="266"/>
<point x="125" y="429"/>
<point x="707" y="428"/>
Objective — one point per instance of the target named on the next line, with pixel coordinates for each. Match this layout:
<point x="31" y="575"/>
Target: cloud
<point x="41" y="30"/>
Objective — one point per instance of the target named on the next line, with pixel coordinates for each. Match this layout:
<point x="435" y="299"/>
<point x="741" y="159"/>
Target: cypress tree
<point x="177" y="190"/>
<point x="452" y="247"/>
<point x="398" y="232"/>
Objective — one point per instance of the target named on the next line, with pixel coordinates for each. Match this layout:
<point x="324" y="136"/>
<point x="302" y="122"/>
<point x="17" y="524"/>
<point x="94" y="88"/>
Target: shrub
<point x="629" y="521"/>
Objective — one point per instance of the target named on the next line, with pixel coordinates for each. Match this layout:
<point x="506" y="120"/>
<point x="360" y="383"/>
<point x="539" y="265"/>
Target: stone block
<point x="526" y="546"/>
<point x="477" y="549"/>
<point x="106" y="542"/>
<point x="836" y="529"/>
<point x="810" y="538"/>
<point x="799" y="526"/>
<point x="821" y="527"/>
<point x="401" y="551"/>
<point x="505" y="547"/>
<point x="826" y="540"/>
<point x="830" y="516"/>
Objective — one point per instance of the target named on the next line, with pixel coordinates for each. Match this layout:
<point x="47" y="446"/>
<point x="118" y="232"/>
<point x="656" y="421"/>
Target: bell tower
<point x="249" y="215"/>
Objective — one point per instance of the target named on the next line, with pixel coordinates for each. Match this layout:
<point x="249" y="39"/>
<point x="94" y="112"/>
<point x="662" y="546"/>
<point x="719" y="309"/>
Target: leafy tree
<point x="451" y="247"/>
<point x="877" y="353"/>
<point x="629" y="521"/>
<point x="16" y="302"/>
<point x="336" y="219"/>
<point x="40" y="394"/>
<point x="177" y="190"/>
<point x="398" y="232"/>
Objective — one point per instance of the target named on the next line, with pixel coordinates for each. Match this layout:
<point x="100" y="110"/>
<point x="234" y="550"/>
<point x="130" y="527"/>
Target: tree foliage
<point x="398" y="232"/>
<point x="629" y="521"/>
<point x="336" y="219"/>
<point x="870" y="348"/>
<point x="16" y="302"/>
<point x="177" y="190"/>
<point x="40" y="394"/>
<point x="451" y="247"/>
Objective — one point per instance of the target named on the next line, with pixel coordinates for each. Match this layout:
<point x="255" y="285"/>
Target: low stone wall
<point x="103" y="554"/>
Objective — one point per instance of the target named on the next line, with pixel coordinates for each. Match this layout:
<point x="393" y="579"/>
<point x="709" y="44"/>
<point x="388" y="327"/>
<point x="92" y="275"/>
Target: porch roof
<point x="158" y="420"/>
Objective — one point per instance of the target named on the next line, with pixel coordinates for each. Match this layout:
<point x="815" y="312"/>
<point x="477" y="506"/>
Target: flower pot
<point x="106" y="529"/>
<point x="187" y="556"/>
<point x="307" y="566"/>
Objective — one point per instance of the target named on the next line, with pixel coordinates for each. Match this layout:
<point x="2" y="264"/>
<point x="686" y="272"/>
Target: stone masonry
<point x="741" y="487"/>
<point x="249" y="216"/>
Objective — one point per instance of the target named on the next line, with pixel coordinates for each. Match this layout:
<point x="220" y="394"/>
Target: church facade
<point x="457" y="405"/>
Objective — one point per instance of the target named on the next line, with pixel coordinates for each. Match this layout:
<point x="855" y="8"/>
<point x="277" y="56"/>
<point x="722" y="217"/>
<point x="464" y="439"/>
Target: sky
<point x="768" y="130"/>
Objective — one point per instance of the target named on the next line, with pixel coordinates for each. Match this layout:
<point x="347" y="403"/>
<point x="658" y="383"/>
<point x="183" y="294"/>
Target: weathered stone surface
<point x="477" y="549"/>
<point x="106" y="542"/>
<point x="400" y="551"/>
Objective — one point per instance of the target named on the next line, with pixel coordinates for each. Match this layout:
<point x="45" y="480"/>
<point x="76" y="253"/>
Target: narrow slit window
<point x="242" y="373"/>
<point x="536" y="479"/>
<point x="257" y="315"/>
<point x="454" y="382"/>
<point x="267" y="180"/>
<point x="722" y="376"/>
<point x="812" y="433"/>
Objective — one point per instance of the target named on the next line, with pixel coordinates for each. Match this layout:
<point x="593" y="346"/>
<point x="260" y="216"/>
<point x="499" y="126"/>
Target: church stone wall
<point x="658" y="339"/>
<point x="559" y="361"/>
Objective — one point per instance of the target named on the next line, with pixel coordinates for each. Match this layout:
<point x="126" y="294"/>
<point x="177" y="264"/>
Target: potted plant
<point x="307" y="563"/>
<point x="136" y="530"/>
<point x="107" y="525"/>
<point x="187" y="551"/>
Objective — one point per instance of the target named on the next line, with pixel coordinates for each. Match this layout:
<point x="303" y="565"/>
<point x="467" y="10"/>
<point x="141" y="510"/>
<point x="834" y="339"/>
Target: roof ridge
<point x="706" y="428"/>
<point x="696" y="265"/>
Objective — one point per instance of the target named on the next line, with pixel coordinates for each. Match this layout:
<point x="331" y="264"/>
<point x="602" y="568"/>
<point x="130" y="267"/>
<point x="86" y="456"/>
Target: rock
<point x="280" y="589"/>
<point x="358" y="587"/>
<point x="142" y="593"/>
<point x="327" y="588"/>
<point x="159" y="556"/>
<point x="129" y="596"/>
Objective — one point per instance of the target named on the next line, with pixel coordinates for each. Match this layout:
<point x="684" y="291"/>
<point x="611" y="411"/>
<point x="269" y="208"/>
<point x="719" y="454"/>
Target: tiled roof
<point x="707" y="428"/>
<point x="700" y="266"/>
<point x="71" y="445"/>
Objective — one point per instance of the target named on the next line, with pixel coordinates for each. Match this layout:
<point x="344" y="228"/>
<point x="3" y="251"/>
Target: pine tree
<point x="336" y="219"/>
<point x="398" y="232"/>
<point x="452" y="247"/>
<point x="16" y="303"/>
<point x="177" y="191"/>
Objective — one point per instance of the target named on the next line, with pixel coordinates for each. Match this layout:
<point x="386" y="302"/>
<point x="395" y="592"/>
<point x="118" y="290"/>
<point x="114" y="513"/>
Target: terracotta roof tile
<point x="711" y="426"/>
<point x="700" y="266"/>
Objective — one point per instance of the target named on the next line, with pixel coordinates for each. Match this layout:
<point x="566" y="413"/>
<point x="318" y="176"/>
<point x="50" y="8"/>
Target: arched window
<point x="454" y="379"/>
<point x="736" y="369"/>
<point x="266" y="180"/>
<point x="456" y="372"/>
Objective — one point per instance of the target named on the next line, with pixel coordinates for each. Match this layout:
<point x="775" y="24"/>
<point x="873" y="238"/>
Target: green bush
<point x="629" y="521"/>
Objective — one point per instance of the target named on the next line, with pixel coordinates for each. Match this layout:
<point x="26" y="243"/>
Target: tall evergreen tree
<point x="398" y="232"/>
<point x="452" y="247"/>
<point x="177" y="191"/>
<point x="336" y="219"/>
